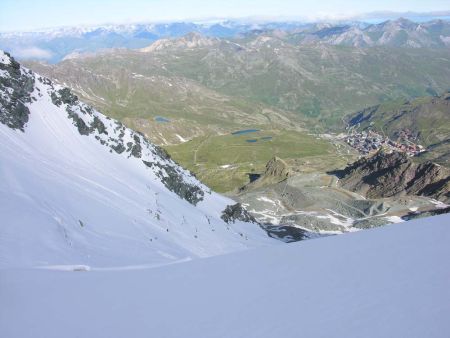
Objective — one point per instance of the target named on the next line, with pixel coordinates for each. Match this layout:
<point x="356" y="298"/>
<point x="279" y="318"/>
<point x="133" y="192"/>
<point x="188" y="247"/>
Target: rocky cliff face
<point x="394" y="174"/>
<point x="15" y="89"/>
<point x="276" y="171"/>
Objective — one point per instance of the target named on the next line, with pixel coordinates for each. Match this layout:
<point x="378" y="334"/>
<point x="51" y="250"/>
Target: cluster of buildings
<point x="367" y="142"/>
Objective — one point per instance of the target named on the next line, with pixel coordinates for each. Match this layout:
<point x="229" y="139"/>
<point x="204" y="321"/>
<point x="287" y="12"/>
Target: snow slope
<point x="79" y="188"/>
<point x="386" y="282"/>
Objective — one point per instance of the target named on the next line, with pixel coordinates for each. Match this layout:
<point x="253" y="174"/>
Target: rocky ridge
<point x="395" y="174"/>
<point x="191" y="40"/>
<point x="392" y="33"/>
<point x="16" y="87"/>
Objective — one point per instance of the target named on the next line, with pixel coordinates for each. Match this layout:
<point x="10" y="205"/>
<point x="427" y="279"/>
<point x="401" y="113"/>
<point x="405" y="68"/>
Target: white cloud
<point x="32" y="53"/>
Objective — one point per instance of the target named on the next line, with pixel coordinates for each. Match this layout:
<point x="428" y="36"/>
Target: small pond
<point x="245" y="131"/>
<point x="161" y="119"/>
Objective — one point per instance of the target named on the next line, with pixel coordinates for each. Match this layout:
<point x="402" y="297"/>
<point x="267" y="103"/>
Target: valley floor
<point x="386" y="282"/>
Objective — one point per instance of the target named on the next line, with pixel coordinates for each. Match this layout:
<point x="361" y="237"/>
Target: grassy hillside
<point x="224" y="162"/>
<point x="320" y="83"/>
<point x="161" y="106"/>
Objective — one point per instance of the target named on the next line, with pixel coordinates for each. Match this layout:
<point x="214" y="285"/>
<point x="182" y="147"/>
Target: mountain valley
<point x="223" y="107"/>
<point x="190" y="94"/>
<point x="244" y="177"/>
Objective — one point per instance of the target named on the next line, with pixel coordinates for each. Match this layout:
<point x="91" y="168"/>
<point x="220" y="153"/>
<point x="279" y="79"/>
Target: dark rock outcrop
<point x="285" y="233"/>
<point x="174" y="181"/>
<point x="237" y="212"/>
<point x="395" y="174"/>
<point x="427" y="213"/>
<point x="19" y="84"/>
<point x="276" y="169"/>
<point x="64" y="96"/>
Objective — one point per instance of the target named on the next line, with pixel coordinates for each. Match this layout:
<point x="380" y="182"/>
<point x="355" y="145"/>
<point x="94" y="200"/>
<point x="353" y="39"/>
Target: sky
<point x="22" y="15"/>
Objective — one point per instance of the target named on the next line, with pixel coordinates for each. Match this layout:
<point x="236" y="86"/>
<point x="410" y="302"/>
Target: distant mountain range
<point x="54" y="45"/>
<point x="394" y="33"/>
<point x="316" y="81"/>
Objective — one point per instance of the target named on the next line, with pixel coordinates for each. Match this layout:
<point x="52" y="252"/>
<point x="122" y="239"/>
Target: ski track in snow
<point x="385" y="282"/>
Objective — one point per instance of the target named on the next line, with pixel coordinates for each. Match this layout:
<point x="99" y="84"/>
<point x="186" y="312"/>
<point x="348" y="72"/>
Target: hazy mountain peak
<point x="400" y="23"/>
<point x="190" y="40"/>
